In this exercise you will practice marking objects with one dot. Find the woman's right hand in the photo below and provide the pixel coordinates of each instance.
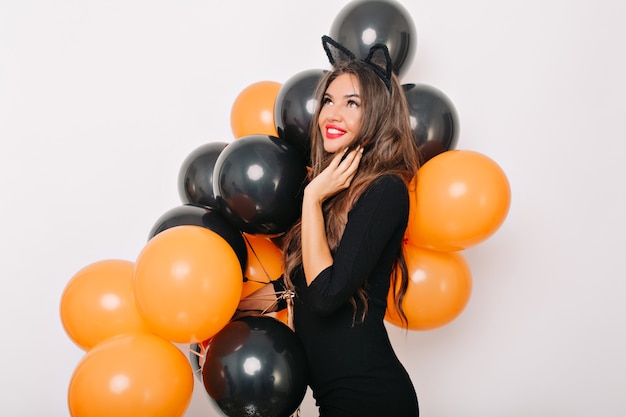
(336, 177)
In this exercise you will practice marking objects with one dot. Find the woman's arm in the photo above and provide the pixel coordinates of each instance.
(374, 232)
(316, 255)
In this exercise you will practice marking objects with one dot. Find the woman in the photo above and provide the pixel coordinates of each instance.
(342, 256)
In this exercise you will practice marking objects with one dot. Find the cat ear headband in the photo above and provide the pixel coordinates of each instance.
(336, 52)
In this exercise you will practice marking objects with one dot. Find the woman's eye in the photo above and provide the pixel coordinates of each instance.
(353, 103)
(326, 100)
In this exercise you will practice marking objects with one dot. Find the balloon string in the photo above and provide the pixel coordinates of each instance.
(269, 279)
(198, 354)
(254, 280)
(274, 299)
(288, 295)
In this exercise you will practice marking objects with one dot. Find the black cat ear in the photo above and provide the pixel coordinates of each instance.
(335, 51)
(379, 56)
(379, 60)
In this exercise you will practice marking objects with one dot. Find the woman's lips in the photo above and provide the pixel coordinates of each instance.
(333, 132)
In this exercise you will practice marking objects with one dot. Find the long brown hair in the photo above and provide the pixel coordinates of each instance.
(389, 148)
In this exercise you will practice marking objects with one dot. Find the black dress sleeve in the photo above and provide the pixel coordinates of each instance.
(377, 216)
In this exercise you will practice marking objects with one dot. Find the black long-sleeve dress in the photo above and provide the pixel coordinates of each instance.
(354, 370)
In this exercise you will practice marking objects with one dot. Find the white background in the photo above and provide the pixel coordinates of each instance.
(101, 101)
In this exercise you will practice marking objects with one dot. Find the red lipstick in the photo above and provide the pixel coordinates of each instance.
(334, 132)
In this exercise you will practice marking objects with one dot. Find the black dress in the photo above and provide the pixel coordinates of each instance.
(354, 370)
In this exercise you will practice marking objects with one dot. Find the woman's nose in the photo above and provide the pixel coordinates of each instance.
(334, 113)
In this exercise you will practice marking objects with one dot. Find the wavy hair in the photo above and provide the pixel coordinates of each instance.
(389, 148)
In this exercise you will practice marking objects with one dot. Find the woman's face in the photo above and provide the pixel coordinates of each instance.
(340, 116)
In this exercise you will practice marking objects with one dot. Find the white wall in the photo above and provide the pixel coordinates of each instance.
(100, 102)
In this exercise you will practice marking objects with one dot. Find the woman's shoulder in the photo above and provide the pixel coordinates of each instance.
(389, 182)
(386, 194)
(387, 187)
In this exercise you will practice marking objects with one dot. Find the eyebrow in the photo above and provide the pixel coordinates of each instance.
(346, 96)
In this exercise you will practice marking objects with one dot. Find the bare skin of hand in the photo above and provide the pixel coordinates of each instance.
(337, 176)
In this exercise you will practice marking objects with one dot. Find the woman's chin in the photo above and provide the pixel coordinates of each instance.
(334, 146)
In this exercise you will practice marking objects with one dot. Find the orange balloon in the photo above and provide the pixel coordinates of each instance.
(97, 303)
(412, 188)
(462, 198)
(439, 289)
(131, 375)
(252, 112)
(188, 283)
(282, 316)
(264, 263)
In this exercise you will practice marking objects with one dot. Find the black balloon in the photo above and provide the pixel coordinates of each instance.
(295, 108)
(258, 183)
(195, 177)
(361, 24)
(212, 219)
(434, 120)
(256, 366)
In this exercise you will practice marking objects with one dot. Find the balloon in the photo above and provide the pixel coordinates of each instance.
(282, 316)
(434, 120)
(131, 375)
(188, 283)
(439, 289)
(98, 303)
(295, 108)
(256, 366)
(195, 178)
(278, 240)
(361, 24)
(252, 112)
(258, 184)
(462, 198)
(194, 215)
(264, 264)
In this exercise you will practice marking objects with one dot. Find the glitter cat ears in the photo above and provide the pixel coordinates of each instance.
(336, 52)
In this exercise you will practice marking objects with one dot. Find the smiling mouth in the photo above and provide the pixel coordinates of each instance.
(334, 133)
